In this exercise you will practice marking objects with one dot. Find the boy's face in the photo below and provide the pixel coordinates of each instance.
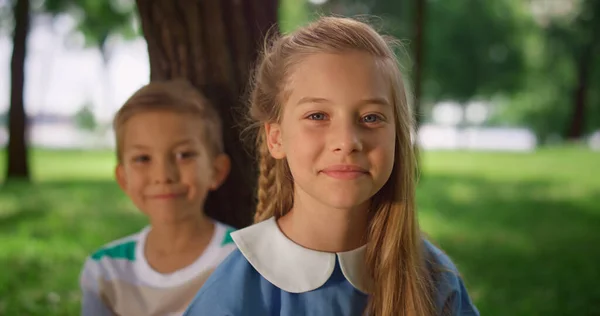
(166, 168)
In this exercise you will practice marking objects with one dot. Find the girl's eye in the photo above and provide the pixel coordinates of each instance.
(317, 116)
(371, 118)
(186, 155)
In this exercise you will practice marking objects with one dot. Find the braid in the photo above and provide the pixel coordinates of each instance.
(267, 188)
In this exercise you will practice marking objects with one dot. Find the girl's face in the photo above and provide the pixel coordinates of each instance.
(337, 130)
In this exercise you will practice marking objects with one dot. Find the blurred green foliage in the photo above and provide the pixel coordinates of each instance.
(521, 56)
(85, 119)
(98, 20)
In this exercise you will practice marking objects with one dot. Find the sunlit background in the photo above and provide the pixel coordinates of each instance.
(510, 184)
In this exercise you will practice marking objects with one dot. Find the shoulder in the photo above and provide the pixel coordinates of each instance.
(233, 271)
(443, 270)
(111, 258)
(438, 258)
(224, 234)
(223, 243)
(451, 296)
(122, 248)
(234, 287)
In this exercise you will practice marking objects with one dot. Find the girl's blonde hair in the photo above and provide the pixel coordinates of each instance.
(395, 257)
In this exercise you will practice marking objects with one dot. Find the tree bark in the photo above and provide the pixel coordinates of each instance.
(17, 165)
(418, 74)
(584, 59)
(419, 59)
(213, 44)
(576, 125)
(584, 64)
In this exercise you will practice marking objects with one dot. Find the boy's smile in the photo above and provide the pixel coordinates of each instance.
(167, 196)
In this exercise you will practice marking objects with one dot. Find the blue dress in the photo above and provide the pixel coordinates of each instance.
(271, 275)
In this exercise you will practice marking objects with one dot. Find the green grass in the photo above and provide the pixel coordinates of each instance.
(524, 229)
(49, 227)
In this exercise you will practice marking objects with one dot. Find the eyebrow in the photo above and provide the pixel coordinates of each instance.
(179, 143)
(183, 142)
(137, 146)
(378, 101)
(312, 100)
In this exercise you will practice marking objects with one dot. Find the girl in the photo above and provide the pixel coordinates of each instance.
(336, 230)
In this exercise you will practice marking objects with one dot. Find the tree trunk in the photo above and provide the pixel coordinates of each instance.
(418, 72)
(18, 167)
(576, 126)
(419, 58)
(213, 44)
(584, 64)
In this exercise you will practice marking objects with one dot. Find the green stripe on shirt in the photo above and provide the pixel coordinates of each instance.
(227, 239)
(125, 250)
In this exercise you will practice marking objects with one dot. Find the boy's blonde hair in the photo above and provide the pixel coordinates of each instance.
(395, 259)
(178, 96)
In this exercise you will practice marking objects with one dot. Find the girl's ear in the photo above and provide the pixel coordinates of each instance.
(274, 141)
(222, 166)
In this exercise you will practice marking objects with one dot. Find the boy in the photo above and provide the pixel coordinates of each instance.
(170, 155)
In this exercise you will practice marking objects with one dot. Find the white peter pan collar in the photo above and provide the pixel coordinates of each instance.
(291, 267)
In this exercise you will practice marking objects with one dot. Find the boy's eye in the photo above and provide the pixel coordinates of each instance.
(371, 118)
(141, 158)
(317, 116)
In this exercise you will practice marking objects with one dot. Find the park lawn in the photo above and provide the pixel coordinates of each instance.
(523, 229)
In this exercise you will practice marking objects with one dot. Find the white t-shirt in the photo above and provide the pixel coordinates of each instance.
(117, 279)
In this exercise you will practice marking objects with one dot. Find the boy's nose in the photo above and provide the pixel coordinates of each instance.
(165, 172)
